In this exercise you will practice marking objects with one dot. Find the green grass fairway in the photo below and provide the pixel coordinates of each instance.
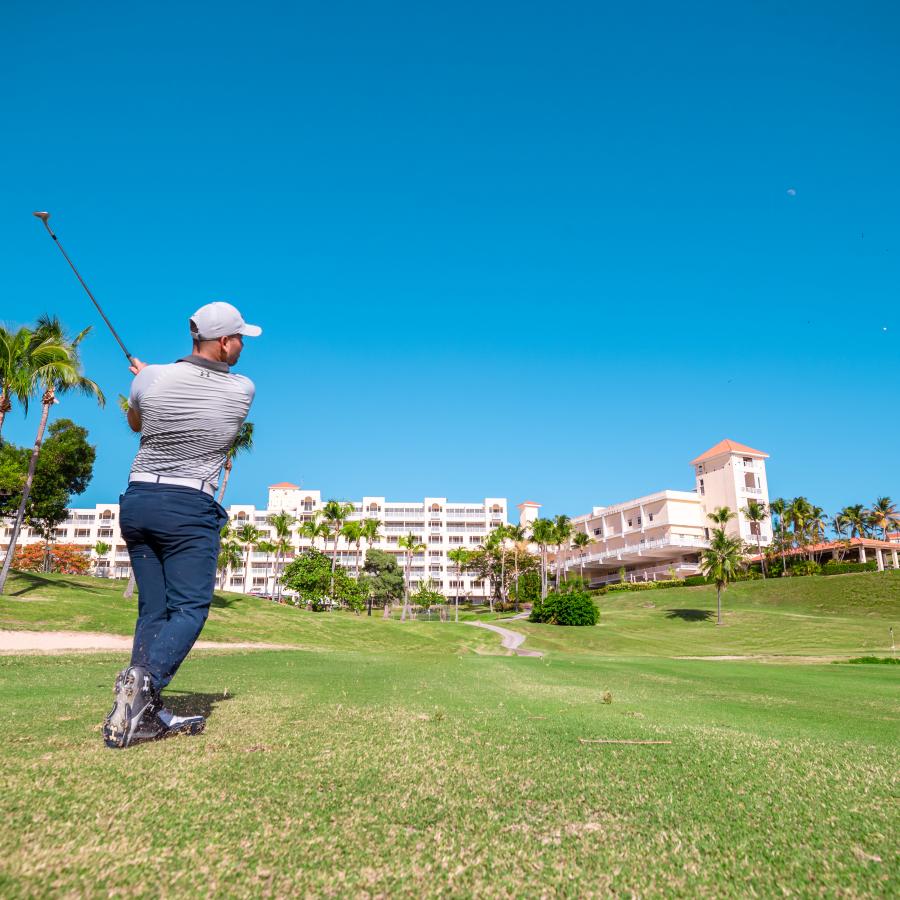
(70, 603)
(842, 615)
(391, 760)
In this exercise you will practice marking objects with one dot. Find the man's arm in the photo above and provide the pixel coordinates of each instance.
(134, 412)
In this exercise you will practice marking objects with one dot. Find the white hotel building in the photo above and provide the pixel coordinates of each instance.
(439, 524)
(662, 534)
(650, 537)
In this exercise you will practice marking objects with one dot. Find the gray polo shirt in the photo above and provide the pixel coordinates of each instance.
(190, 411)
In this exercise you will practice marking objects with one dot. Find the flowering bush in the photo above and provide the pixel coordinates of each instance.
(66, 559)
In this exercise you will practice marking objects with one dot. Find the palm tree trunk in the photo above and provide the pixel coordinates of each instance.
(26, 490)
(581, 565)
(228, 465)
(783, 561)
(516, 564)
(762, 562)
(337, 535)
(246, 567)
(405, 591)
(543, 572)
(128, 593)
(718, 604)
(5, 407)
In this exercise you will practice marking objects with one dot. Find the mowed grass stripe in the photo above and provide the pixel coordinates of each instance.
(349, 774)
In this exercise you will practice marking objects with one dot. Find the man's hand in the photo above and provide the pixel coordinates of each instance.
(136, 365)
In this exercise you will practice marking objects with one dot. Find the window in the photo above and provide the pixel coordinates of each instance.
(82, 532)
(455, 540)
(639, 520)
(474, 539)
(702, 489)
(434, 524)
(598, 531)
(435, 553)
(629, 523)
(651, 517)
(436, 539)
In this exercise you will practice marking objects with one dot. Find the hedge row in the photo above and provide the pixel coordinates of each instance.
(842, 568)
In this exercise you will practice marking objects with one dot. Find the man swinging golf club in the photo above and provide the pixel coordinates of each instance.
(188, 413)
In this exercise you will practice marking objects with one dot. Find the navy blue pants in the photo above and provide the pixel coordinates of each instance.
(172, 534)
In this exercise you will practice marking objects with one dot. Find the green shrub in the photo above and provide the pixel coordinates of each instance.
(529, 588)
(695, 580)
(871, 661)
(841, 568)
(805, 567)
(568, 607)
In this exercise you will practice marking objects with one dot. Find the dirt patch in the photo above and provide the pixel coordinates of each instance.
(19, 642)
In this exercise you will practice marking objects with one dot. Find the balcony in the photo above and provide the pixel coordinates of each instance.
(681, 540)
(752, 490)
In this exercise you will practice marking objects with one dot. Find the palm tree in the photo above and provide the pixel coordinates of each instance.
(352, 532)
(247, 535)
(755, 513)
(101, 548)
(459, 556)
(229, 558)
(242, 443)
(267, 547)
(884, 515)
(23, 356)
(518, 535)
(281, 522)
(721, 516)
(580, 541)
(562, 525)
(335, 514)
(314, 529)
(543, 533)
(722, 561)
(778, 507)
(800, 513)
(856, 519)
(370, 533)
(817, 524)
(412, 545)
(58, 377)
(497, 538)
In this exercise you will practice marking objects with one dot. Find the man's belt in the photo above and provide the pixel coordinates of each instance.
(197, 483)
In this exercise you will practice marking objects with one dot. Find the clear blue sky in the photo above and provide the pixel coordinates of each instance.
(547, 252)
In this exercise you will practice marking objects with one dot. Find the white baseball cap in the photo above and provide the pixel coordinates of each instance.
(220, 319)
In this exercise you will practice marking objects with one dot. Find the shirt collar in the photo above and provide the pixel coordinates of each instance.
(205, 363)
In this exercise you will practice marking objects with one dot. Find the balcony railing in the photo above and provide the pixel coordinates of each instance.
(671, 541)
(752, 490)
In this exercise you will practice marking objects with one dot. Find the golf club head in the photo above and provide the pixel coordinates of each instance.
(43, 216)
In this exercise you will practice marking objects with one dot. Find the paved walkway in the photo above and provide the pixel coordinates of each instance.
(511, 640)
(16, 642)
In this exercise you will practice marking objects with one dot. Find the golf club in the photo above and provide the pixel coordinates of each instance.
(44, 216)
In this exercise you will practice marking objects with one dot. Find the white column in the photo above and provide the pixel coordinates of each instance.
(879, 559)
(862, 553)
(896, 561)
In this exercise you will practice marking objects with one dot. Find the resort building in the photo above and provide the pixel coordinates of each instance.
(661, 535)
(439, 524)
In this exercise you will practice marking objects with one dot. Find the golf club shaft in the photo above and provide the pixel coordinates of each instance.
(87, 290)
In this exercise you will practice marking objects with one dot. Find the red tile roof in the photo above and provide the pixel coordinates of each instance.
(527, 503)
(285, 484)
(728, 446)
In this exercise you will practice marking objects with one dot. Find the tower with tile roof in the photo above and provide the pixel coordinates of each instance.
(731, 474)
